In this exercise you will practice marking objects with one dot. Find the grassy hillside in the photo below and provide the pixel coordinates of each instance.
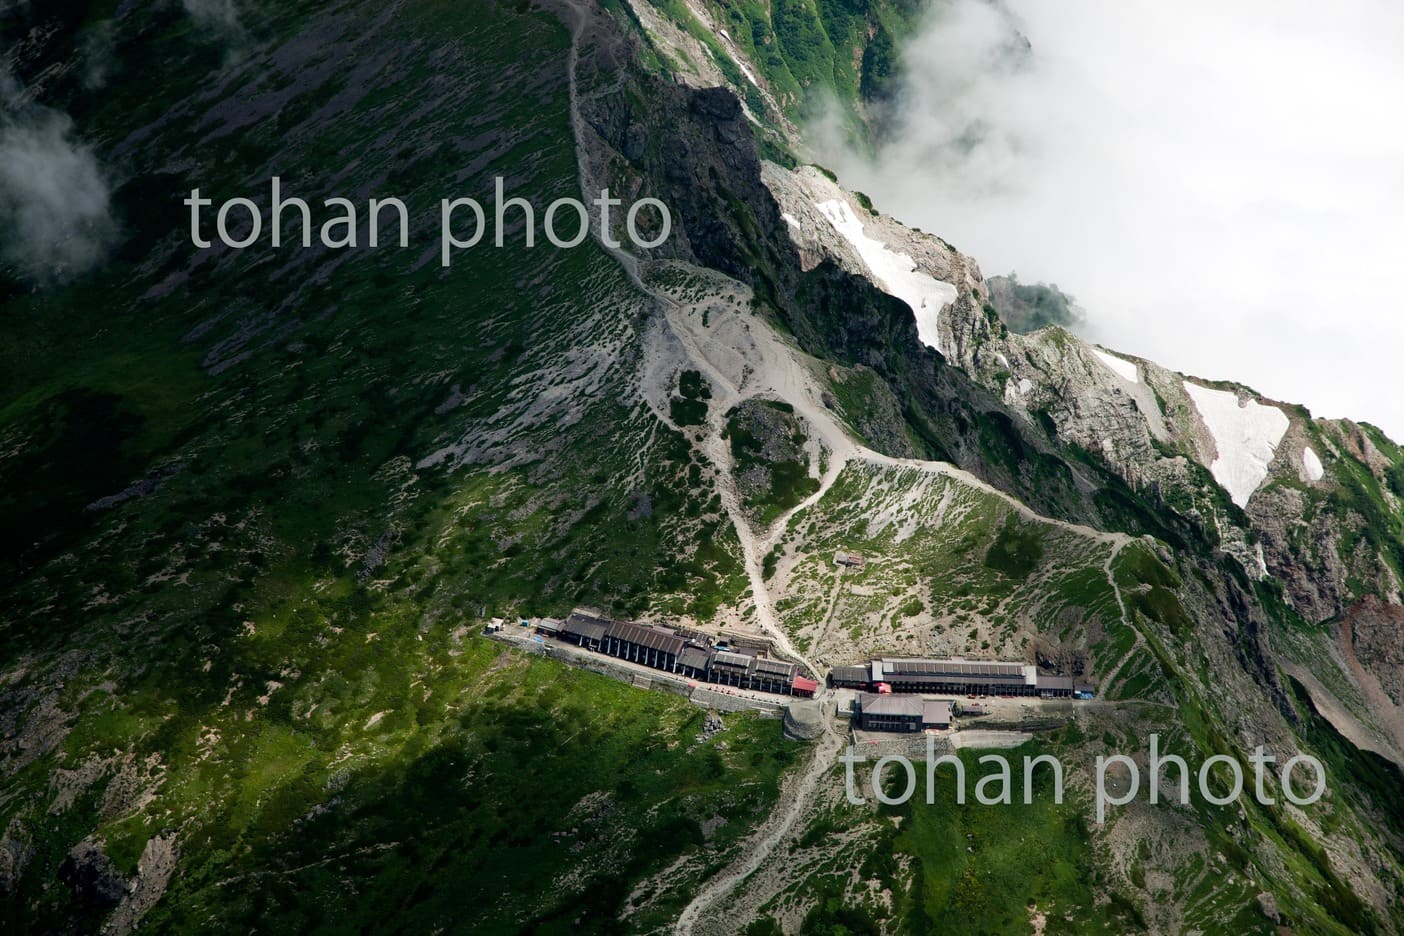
(811, 54)
(256, 498)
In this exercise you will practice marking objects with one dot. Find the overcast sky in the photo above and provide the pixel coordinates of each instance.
(1220, 185)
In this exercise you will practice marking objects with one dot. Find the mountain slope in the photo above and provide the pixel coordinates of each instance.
(260, 501)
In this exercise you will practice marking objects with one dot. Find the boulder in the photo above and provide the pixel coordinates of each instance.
(804, 721)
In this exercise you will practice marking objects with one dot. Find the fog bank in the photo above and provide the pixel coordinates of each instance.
(1219, 186)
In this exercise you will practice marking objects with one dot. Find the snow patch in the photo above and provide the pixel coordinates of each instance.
(790, 219)
(1245, 437)
(894, 273)
(1122, 367)
(1311, 462)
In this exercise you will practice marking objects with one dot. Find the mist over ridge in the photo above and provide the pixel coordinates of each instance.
(1224, 207)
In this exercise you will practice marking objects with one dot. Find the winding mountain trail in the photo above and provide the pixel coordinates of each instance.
(743, 358)
(797, 791)
(727, 392)
(796, 796)
(1109, 679)
(947, 470)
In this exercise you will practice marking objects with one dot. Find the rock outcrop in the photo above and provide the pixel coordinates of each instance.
(90, 874)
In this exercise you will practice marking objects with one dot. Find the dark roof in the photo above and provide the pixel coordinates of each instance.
(1065, 683)
(776, 667)
(852, 674)
(951, 668)
(748, 641)
(693, 658)
(583, 625)
(725, 659)
(650, 638)
(940, 679)
(871, 703)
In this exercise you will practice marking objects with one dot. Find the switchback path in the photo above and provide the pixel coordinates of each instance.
(743, 357)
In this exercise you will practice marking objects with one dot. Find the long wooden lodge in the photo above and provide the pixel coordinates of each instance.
(688, 654)
(962, 677)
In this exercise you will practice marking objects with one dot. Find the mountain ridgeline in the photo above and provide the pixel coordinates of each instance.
(259, 503)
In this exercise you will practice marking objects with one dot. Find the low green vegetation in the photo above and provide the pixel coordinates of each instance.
(1149, 587)
(989, 869)
(811, 53)
(771, 466)
(544, 797)
(1136, 566)
(1027, 307)
(868, 405)
(1161, 605)
(1017, 550)
(270, 494)
(689, 407)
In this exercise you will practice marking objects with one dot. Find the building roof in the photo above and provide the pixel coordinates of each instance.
(858, 674)
(725, 659)
(936, 680)
(936, 712)
(748, 643)
(584, 625)
(693, 658)
(898, 706)
(975, 672)
(804, 684)
(650, 638)
(776, 667)
(1062, 683)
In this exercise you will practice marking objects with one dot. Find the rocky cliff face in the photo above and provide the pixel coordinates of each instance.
(1289, 517)
(1302, 510)
(760, 223)
(1377, 638)
(1301, 502)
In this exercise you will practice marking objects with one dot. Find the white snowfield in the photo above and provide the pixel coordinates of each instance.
(1315, 471)
(894, 273)
(1123, 368)
(1245, 438)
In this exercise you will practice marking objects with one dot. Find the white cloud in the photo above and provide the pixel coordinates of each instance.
(221, 14)
(54, 202)
(1219, 185)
